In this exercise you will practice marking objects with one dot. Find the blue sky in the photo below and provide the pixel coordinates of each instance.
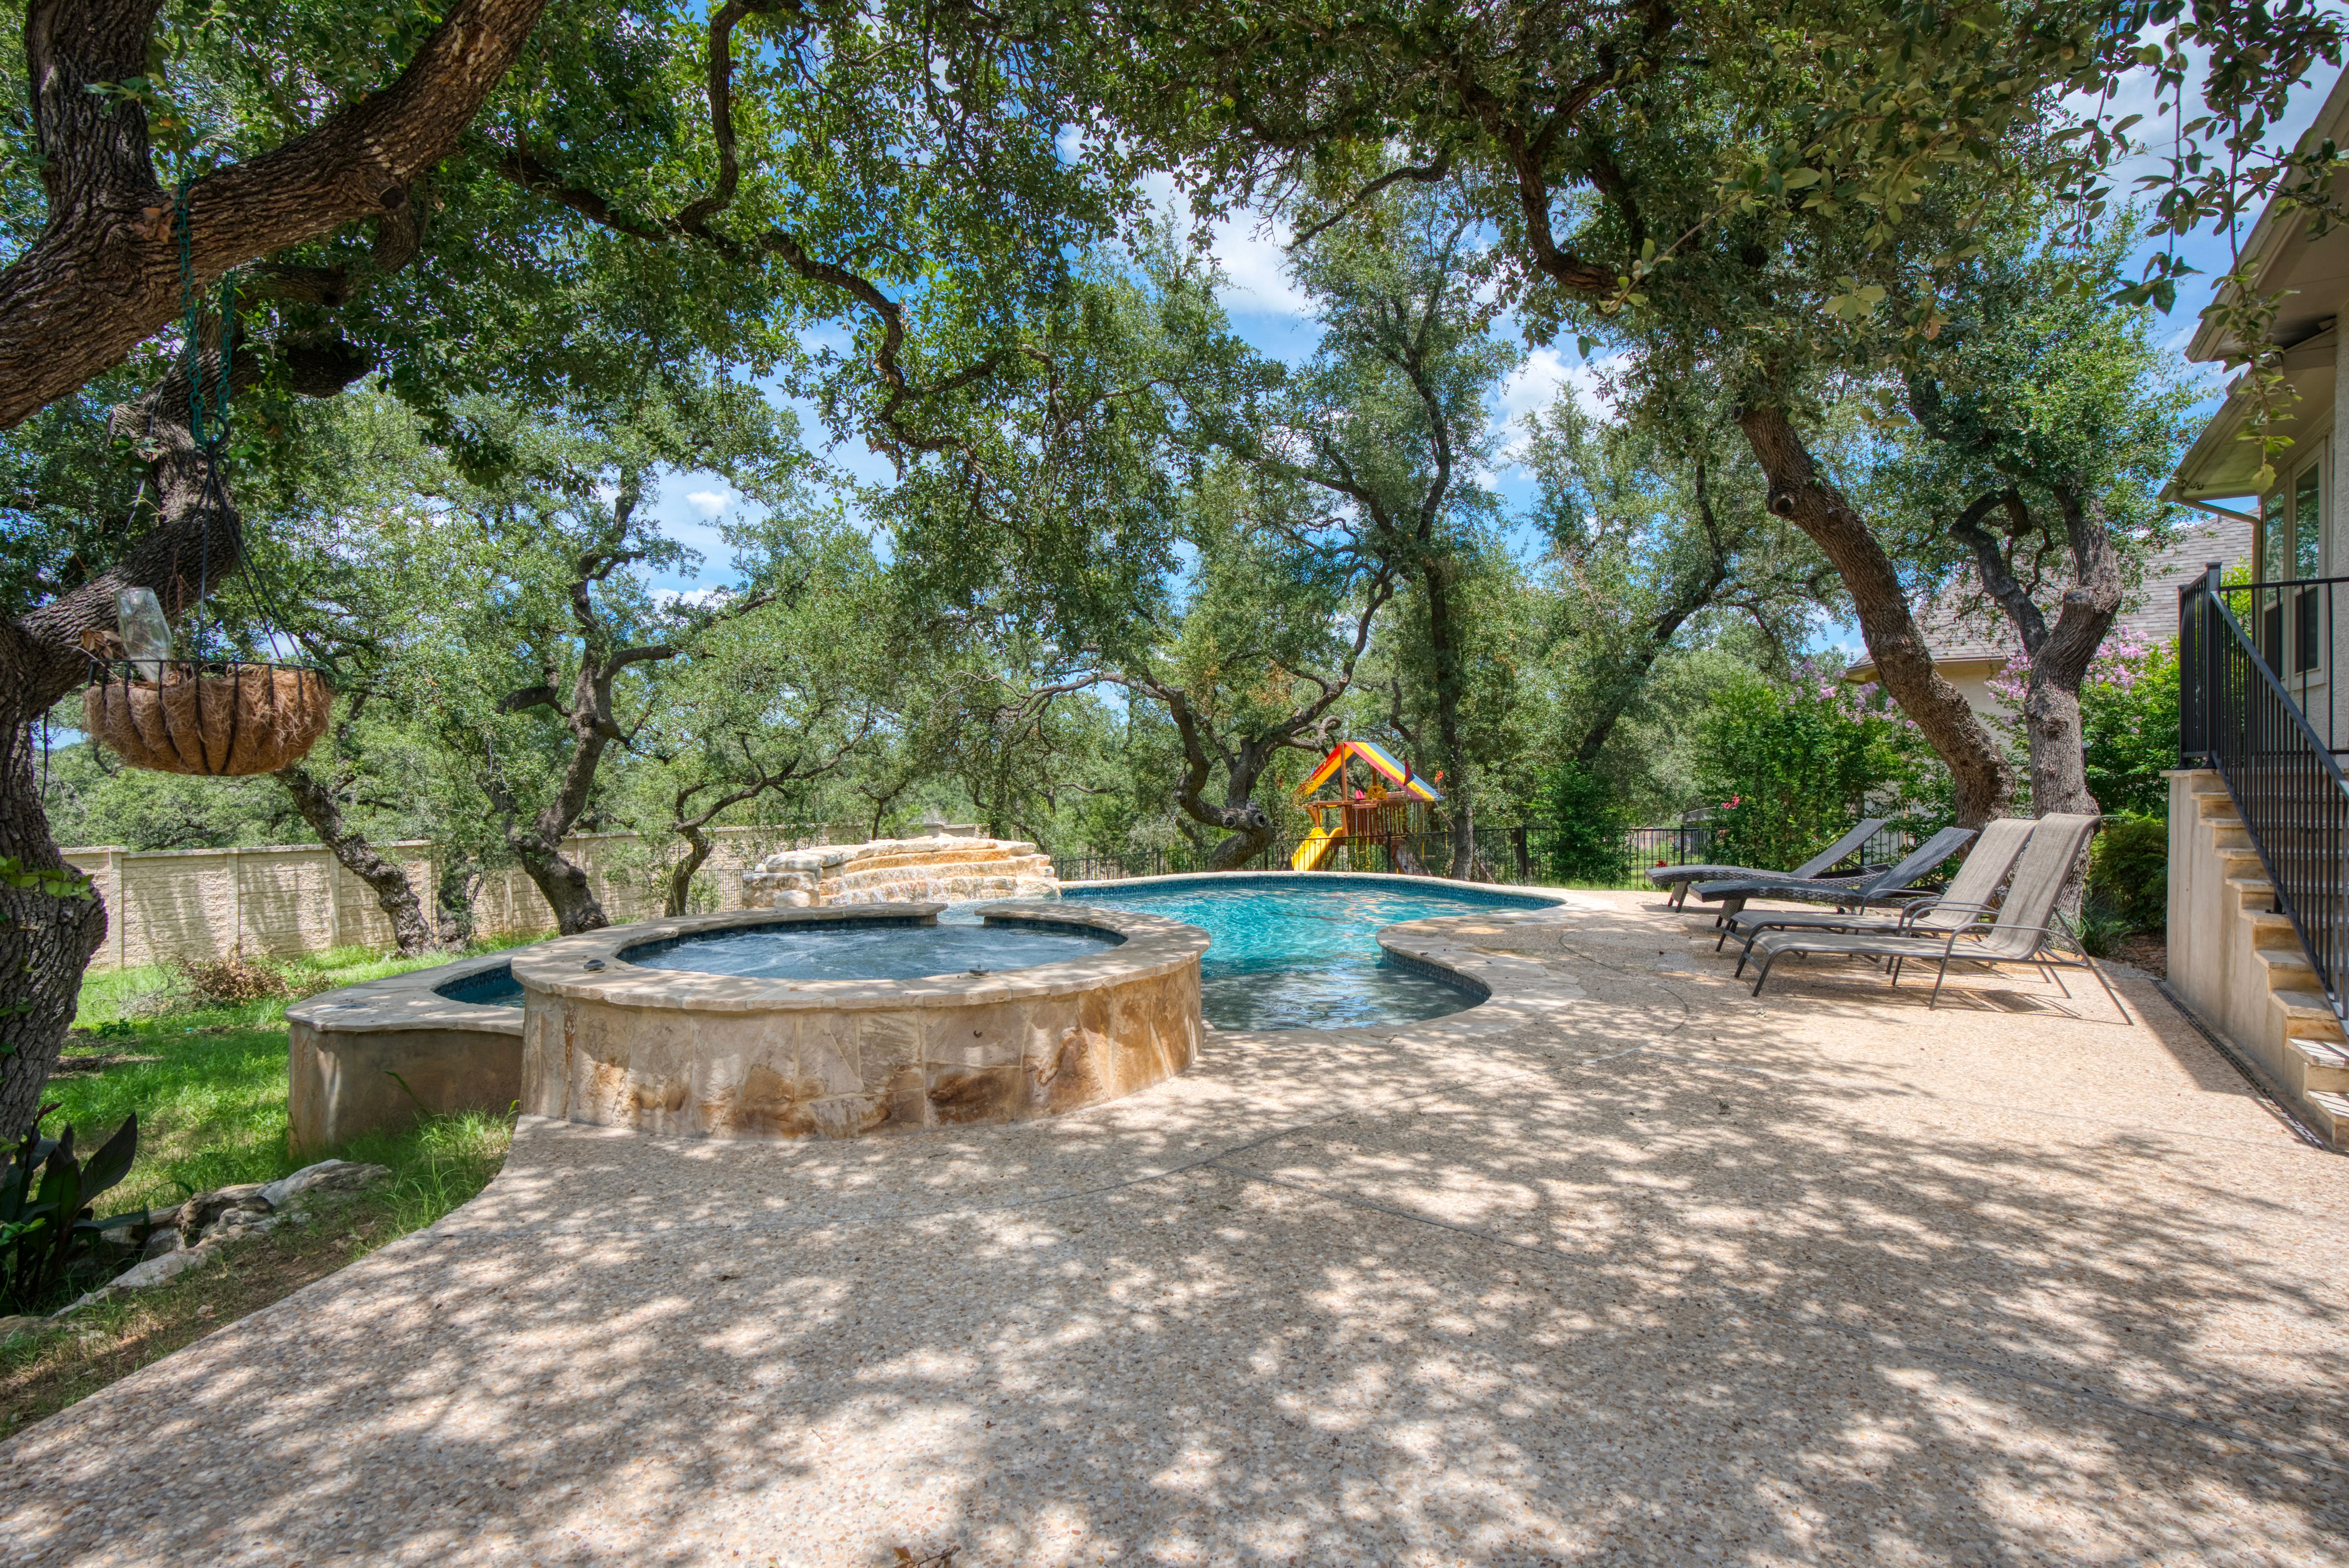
(1273, 316)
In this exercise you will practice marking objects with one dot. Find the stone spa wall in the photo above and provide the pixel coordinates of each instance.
(940, 869)
(673, 1052)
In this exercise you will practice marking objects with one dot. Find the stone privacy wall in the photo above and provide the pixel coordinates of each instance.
(285, 899)
(941, 869)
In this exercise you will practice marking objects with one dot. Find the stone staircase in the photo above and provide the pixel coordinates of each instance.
(2245, 971)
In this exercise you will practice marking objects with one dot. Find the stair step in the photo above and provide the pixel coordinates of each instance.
(2270, 929)
(2323, 1064)
(2288, 967)
(2331, 1111)
(2307, 1004)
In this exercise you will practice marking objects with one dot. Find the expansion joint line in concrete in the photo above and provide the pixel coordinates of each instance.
(1749, 1301)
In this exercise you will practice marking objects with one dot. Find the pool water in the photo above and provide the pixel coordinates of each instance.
(1305, 955)
(490, 988)
(867, 952)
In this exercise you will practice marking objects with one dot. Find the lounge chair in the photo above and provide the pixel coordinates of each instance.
(1982, 873)
(1676, 878)
(1891, 886)
(2025, 929)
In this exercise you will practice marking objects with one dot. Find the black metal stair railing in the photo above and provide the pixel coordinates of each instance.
(2236, 715)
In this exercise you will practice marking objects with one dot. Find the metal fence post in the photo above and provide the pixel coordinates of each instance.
(2197, 672)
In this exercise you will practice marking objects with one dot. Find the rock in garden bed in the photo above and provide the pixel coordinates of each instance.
(189, 1236)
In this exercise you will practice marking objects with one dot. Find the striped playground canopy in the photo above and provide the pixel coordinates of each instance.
(1381, 761)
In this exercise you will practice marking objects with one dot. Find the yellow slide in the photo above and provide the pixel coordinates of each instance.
(1315, 850)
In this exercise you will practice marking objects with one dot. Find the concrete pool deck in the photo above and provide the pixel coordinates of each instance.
(1648, 1272)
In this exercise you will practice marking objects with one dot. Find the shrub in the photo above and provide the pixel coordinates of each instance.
(1791, 766)
(2129, 870)
(232, 981)
(1586, 822)
(47, 1239)
(2128, 719)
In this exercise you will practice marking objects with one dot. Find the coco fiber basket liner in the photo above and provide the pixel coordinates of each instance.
(213, 717)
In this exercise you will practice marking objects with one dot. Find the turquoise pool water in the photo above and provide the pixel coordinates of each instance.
(1292, 954)
(862, 951)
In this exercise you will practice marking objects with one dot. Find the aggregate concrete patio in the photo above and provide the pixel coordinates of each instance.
(1619, 1267)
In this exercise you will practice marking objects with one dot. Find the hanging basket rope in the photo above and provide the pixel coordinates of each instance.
(216, 717)
(222, 718)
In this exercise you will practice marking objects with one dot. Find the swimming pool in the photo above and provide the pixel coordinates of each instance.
(1292, 953)
(489, 988)
(869, 950)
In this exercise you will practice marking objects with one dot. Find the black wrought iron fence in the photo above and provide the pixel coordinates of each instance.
(2292, 627)
(1526, 855)
(2239, 713)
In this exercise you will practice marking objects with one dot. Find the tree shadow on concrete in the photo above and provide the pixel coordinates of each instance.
(1589, 1289)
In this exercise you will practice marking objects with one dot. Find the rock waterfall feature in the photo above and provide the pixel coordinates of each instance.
(940, 869)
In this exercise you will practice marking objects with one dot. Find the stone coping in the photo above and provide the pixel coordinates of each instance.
(410, 1001)
(1147, 945)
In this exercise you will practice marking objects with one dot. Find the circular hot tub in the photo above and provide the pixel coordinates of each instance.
(832, 1022)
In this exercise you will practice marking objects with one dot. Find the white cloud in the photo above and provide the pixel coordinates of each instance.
(708, 502)
(1539, 379)
(692, 597)
(1253, 251)
(1251, 248)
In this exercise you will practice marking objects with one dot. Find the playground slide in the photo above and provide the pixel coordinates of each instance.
(1315, 850)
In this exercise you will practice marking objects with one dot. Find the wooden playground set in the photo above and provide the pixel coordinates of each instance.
(1376, 819)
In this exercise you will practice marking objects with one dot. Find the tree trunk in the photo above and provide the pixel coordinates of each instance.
(1904, 664)
(51, 922)
(452, 899)
(1444, 643)
(2059, 654)
(1249, 825)
(563, 885)
(681, 875)
(389, 884)
(2059, 762)
(48, 928)
(1251, 835)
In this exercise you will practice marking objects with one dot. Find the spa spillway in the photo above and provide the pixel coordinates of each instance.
(835, 1021)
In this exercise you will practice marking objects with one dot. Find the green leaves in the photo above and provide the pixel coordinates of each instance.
(1857, 301)
(65, 883)
(47, 1242)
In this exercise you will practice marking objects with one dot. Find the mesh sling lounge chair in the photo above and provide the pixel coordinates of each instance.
(2023, 930)
(1676, 878)
(1981, 875)
(1889, 887)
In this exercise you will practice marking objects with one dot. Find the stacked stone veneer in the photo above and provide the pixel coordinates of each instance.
(940, 869)
(678, 1053)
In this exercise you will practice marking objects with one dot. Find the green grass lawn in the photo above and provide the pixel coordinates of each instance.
(211, 1101)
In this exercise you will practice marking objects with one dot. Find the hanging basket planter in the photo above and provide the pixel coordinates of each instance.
(215, 718)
